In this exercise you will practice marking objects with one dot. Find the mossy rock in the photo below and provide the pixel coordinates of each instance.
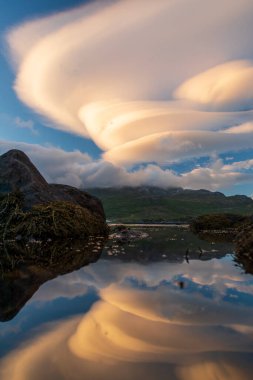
(244, 241)
(244, 248)
(58, 219)
(219, 222)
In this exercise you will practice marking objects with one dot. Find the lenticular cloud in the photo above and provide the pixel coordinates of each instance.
(146, 81)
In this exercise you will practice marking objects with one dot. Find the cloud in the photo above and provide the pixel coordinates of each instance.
(176, 146)
(79, 169)
(140, 79)
(111, 280)
(25, 124)
(24, 368)
(57, 165)
(225, 87)
(211, 370)
(9, 121)
(243, 128)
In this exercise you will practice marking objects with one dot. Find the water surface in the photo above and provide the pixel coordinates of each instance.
(164, 305)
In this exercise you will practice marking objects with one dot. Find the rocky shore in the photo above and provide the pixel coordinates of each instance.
(228, 227)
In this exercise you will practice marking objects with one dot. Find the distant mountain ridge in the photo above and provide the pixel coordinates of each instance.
(153, 204)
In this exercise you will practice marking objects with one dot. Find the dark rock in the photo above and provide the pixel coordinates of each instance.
(244, 241)
(219, 222)
(244, 248)
(17, 172)
(80, 197)
(31, 207)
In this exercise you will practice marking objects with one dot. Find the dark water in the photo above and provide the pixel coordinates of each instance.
(164, 305)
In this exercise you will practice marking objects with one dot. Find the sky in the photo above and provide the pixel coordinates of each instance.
(130, 92)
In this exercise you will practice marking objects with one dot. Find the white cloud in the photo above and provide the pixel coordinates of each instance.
(226, 87)
(243, 128)
(109, 71)
(176, 146)
(8, 121)
(78, 169)
(55, 164)
(25, 124)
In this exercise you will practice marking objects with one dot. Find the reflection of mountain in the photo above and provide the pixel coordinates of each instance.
(41, 263)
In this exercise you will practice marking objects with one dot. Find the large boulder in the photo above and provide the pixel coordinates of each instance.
(31, 207)
(17, 172)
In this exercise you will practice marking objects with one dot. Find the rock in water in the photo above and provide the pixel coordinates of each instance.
(32, 208)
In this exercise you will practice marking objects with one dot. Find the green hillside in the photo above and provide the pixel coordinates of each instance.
(151, 204)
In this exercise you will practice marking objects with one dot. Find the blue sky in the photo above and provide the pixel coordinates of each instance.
(13, 13)
(120, 93)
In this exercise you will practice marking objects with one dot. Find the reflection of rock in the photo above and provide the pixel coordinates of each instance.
(30, 203)
(27, 267)
(217, 236)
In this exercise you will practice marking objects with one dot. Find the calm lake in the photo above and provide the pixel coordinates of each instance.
(159, 303)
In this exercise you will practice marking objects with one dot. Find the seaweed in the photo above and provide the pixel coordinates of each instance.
(54, 220)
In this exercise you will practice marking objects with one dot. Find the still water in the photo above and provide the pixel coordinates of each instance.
(161, 304)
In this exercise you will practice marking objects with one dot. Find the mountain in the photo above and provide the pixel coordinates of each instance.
(153, 204)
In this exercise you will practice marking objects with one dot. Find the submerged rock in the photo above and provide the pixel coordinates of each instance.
(30, 208)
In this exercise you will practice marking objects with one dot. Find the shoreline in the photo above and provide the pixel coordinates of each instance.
(149, 225)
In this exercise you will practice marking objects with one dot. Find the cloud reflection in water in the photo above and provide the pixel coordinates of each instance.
(145, 325)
